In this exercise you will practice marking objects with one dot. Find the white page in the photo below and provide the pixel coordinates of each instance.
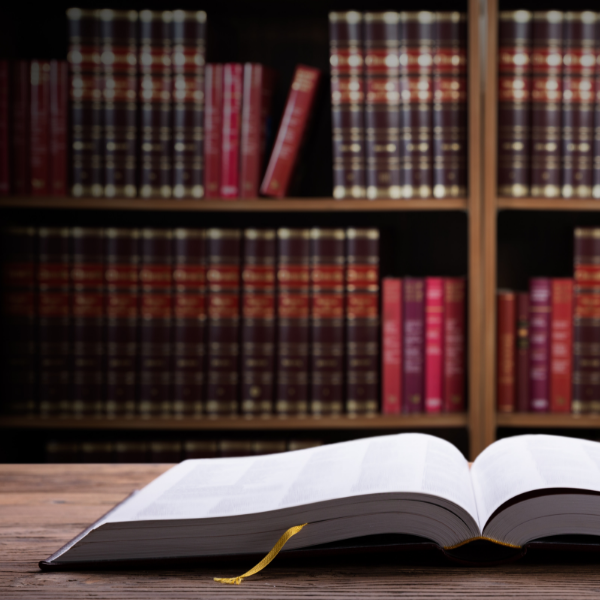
(525, 463)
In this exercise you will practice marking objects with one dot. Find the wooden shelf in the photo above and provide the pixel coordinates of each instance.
(380, 422)
(579, 204)
(549, 421)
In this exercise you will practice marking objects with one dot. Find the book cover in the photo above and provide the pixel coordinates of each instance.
(213, 129)
(391, 345)
(505, 352)
(59, 91)
(434, 344)
(540, 293)
(5, 93)
(39, 128)
(454, 344)
(233, 77)
(413, 352)
(522, 356)
(561, 345)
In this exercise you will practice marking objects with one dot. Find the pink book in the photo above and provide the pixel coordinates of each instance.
(540, 296)
(454, 344)
(434, 343)
(391, 332)
(233, 77)
(561, 345)
(213, 125)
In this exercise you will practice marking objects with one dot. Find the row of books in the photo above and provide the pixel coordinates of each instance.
(191, 322)
(423, 345)
(549, 104)
(399, 104)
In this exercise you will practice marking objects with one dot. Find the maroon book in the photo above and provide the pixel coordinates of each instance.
(522, 353)
(233, 77)
(5, 91)
(213, 129)
(540, 294)
(20, 127)
(505, 353)
(454, 344)
(39, 128)
(59, 91)
(413, 371)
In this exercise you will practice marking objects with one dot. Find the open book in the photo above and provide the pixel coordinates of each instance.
(519, 490)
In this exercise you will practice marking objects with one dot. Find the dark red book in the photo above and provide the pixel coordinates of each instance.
(292, 131)
(59, 93)
(223, 351)
(413, 351)
(346, 57)
(256, 106)
(39, 128)
(5, 92)
(293, 312)
(540, 294)
(454, 344)
(188, 62)
(561, 345)
(327, 258)
(362, 322)
(20, 111)
(522, 352)
(434, 344)
(213, 129)
(258, 322)
(391, 345)
(505, 352)
(233, 77)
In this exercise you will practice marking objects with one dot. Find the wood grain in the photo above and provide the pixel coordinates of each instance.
(548, 421)
(591, 204)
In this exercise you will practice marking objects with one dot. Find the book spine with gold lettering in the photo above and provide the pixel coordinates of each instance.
(540, 296)
(293, 312)
(561, 345)
(505, 353)
(233, 78)
(454, 344)
(391, 345)
(434, 344)
(213, 129)
(39, 128)
(258, 322)
(413, 352)
(596, 130)
(58, 134)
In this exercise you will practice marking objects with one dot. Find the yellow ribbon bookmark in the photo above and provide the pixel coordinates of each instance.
(267, 559)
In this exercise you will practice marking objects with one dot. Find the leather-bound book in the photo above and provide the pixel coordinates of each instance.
(131, 452)
(327, 259)
(505, 353)
(454, 344)
(189, 35)
(546, 99)
(88, 322)
(230, 448)
(522, 352)
(19, 143)
(434, 344)
(54, 327)
(413, 351)
(85, 93)
(260, 447)
(540, 294)
(200, 449)
(155, 54)
(514, 103)
(382, 105)
(561, 345)
(189, 321)
(416, 104)
(5, 95)
(596, 131)
(258, 322)
(39, 128)
(122, 262)
(165, 451)
(156, 305)
(62, 452)
(579, 65)
(118, 43)
(450, 105)
(213, 129)
(391, 345)
(233, 77)
(96, 452)
(362, 322)
(59, 91)
(293, 313)
(223, 279)
(346, 57)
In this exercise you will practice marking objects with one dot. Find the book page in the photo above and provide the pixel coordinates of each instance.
(525, 463)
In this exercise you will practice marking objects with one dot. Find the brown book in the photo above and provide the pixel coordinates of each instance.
(260, 447)
(62, 452)
(522, 358)
(96, 452)
(165, 452)
(231, 448)
(505, 355)
(130, 452)
(200, 449)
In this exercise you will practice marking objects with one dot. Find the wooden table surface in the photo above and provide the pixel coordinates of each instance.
(44, 506)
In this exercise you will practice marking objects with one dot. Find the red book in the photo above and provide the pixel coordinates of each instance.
(505, 354)
(434, 343)
(391, 343)
(522, 358)
(20, 127)
(561, 344)
(539, 356)
(413, 325)
(256, 104)
(213, 120)
(230, 138)
(454, 344)
(39, 127)
(59, 90)
(4, 120)
(292, 130)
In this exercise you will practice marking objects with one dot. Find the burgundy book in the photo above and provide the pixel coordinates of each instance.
(54, 326)
(258, 322)
(213, 129)
(292, 131)
(450, 105)
(561, 345)
(156, 105)
(434, 344)
(391, 345)
(59, 92)
(362, 322)
(293, 312)
(505, 352)
(416, 106)
(256, 106)
(20, 103)
(233, 77)
(327, 258)
(346, 57)
(118, 44)
(382, 105)
(189, 34)
(122, 320)
(454, 344)
(546, 98)
(189, 322)
(413, 336)
(5, 91)
(39, 128)
(540, 294)
(88, 321)
(156, 304)
(223, 278)
(522, 352)
(514, 103)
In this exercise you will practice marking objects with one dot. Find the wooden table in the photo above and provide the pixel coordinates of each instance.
(43, 506)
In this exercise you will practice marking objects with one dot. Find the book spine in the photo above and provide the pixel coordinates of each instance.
(579, 58)
(213, 128)
(258, 325)
(546, 98)
(156, 309)
(540, 291)
(188, 63)
(382, 105)
(346, 57)
(327, 321)
(391, 344)
(293, 313)
(522, 358)
(561, 342)
(122, 320)
(450, 105)
(596, 130)
(233, 76)
(39, 128)
(505, 354)
(88, 321)
(156, 103)
(362, 322)
(223, 277)
(413, 335)
(292, 130)
(454, 344)
(434, 344)
(5, 92)
(118, 39)
(59, 90)
(20, 127)
(189, 323)
(514, 103)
